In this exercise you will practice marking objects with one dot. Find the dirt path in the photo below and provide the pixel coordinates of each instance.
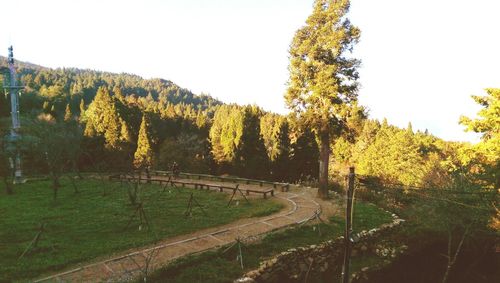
(300, 206)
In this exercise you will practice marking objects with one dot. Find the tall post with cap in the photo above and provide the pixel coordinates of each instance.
(348, 239)
(12, 88)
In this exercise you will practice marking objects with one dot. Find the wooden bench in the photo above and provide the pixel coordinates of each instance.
(264, 193)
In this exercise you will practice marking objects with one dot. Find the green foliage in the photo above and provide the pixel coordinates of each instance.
(226, 132)
(56, 144)
(144, 155)
(322, 88)
(109, 107)
(323, 77)
(87, 225)
(304, 156)
(272, 128)
(188, 150)
(488, 150)
(103, 119)
(251, 156)
(394, 155)
(460, 215)
(236, 140)
(67, 114)
(488, 124)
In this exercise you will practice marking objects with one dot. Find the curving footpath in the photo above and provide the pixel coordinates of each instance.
(129, 266)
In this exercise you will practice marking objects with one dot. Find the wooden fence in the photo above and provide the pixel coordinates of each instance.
(283, 186)
(195, 185)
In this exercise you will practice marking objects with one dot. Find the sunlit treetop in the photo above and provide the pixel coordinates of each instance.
(489, 122)
(323, 75)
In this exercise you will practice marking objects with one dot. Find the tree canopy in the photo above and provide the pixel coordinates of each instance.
(322, 88)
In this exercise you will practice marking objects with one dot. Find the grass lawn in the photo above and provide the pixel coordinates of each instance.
(215, 267)
(86, 225)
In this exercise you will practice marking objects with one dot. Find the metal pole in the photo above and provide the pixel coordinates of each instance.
(16, 124)
(348, 226)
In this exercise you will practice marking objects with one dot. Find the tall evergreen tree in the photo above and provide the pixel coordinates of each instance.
(143, 157)
(82, 108)
(275, 132)
(304, 156)
(103, 117)
(225, 133)
(236, 140)
(251, 156)
(322, 87)
(67, 113)
(488, 124)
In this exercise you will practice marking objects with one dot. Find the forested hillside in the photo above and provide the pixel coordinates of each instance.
(126, 121)
(118, 115)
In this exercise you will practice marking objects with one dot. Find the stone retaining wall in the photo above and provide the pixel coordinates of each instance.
(294, 265)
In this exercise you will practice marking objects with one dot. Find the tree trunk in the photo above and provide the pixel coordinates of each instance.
(73, 183)
(8, 186)
(324, 156)
(55, 185)
(453, 258)
(77, 170)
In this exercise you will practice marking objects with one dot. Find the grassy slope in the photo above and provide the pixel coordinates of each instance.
(217, 267)
(86, 225)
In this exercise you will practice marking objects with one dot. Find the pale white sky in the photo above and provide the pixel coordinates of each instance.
(421, 59)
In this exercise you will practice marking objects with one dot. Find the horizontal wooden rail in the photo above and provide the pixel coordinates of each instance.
(283, 186)
(195, 185)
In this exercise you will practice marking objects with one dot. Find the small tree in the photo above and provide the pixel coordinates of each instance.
(143, 157)
(54, 142)
(67, 113)
(458, 214)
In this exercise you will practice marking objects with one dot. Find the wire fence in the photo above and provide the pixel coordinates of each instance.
(399, 195)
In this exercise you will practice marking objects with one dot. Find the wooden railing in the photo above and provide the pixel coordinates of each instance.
(283, 186)
(200, 186)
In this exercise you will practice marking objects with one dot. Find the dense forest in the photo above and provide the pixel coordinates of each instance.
(130, 122)
(118, 112)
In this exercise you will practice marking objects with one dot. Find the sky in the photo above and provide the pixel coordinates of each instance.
(422, 60)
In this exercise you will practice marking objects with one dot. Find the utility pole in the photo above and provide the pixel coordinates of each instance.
(348, 240)
(11, 87)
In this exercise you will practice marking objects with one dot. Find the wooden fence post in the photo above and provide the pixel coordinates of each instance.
(348, 226)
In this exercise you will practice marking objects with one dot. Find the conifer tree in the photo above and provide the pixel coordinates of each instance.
(322, 87)
(251, 155)
(304, 156)
(236, 140)
(409, 129)
(82, 108)
(67, 113)
(488, 124)
(225, 133)
(275, 134)
(103, 117)
(125, 135)
(143, 157)
(46, 107)
(118, 94)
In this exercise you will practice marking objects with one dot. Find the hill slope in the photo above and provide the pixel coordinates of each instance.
(73, 84)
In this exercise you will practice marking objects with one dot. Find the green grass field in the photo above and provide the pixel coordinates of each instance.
(85, 225)
(216, 267)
